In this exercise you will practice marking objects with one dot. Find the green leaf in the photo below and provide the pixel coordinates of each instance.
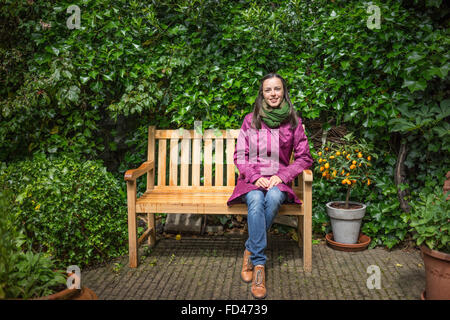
(414, 57)
(84, 80)
(415, 85)
(73, 93)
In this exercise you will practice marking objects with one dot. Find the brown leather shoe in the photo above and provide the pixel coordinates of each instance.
(247, 267)
(259, 282)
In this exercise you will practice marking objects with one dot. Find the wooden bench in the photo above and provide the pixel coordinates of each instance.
(186, 192)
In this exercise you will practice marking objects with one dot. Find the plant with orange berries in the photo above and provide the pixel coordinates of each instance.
(348, 165)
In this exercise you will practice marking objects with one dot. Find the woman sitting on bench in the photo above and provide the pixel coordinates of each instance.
(265, 179)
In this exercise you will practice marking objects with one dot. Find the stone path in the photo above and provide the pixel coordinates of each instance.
(208, 268)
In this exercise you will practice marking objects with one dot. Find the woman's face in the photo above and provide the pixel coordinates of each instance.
(273, 92)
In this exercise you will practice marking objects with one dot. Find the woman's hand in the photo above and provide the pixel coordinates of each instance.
(262, 182)
(267, 184)
(274, 180)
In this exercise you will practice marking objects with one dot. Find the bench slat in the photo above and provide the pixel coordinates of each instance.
(173, 169)
(162, 149)
(240, 209)
(207, 164)
(218, 161)
(184, 168)
(196, 153)
(212, 134)
(230, 162)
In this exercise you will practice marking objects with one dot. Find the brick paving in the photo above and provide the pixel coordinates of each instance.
(208, 268)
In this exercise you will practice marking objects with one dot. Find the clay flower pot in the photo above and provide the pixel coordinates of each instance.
(72, 294)
(346, 223)
(437, 271)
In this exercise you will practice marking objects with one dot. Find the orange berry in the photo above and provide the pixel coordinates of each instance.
(359, 165)
(321, 169)
(368, 182)
(338, 153)
(324, 174)
(320, 153)
(349, 182)
(344, 181)
(359, 155)
(326, 149)
(353, 181)
(352, 167)
(331, 157)
(348, 173)
(369, 158)
(327, 165)
(353, 162)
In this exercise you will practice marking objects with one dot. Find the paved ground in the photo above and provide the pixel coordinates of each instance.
(209, 268)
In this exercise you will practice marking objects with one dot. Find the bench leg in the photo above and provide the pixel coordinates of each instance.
(151, 225)
(300, 231)
(307, 243)
(132, 224)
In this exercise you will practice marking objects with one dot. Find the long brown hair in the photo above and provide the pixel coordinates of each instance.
(256, 120)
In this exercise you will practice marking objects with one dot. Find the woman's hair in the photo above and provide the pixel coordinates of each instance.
(256, 120)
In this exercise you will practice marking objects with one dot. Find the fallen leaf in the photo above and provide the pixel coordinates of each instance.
(294, 236)
(399, 265)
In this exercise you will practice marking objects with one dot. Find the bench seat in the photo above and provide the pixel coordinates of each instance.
(200, 200)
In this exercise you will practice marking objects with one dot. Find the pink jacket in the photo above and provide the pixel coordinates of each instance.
(255, 157)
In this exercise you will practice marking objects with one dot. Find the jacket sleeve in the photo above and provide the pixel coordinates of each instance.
(241, 157)
(302, 156)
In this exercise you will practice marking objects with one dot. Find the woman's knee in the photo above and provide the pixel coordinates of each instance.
(275, 195)
(254, 197)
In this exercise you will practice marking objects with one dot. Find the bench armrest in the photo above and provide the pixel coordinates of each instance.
(307, 176)
(133, 174)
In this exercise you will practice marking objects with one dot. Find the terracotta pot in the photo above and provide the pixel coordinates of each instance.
(437, 271)
(362, 244)
(72, 294)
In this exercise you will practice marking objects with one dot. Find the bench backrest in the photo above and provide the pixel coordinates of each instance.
(178, 155)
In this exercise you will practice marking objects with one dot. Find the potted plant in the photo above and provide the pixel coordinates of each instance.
(430, 222)
(348, 166)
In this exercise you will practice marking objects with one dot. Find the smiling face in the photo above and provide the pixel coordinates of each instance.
(273, 92)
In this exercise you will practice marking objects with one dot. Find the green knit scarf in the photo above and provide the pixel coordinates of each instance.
(273, 117)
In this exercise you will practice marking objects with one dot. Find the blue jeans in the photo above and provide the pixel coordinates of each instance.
(262, 208)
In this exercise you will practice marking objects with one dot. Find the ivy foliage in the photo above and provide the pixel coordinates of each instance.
(92, 91)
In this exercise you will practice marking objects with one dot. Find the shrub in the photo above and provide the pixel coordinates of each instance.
(74, 210)
(430, 220)
(22, 274)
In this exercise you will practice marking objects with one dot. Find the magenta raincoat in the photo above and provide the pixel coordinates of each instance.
(266, 152)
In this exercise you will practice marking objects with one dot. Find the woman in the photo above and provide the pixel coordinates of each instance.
(265, 181)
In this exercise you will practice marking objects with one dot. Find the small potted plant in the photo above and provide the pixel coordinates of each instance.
(430, 222)
(348, 166)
